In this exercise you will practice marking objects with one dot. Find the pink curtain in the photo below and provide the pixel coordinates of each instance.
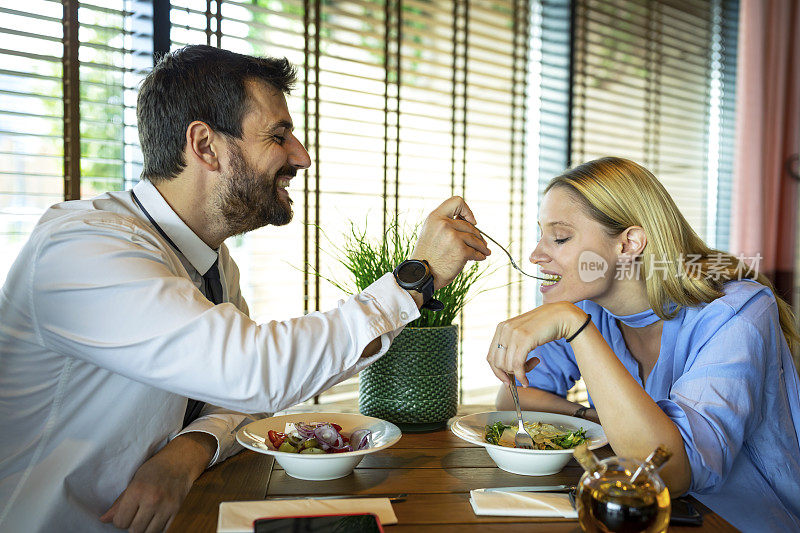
(767, 137)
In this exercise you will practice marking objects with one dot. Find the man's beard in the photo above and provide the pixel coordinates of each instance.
(248, 201)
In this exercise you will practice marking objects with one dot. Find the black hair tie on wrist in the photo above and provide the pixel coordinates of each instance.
(581, 412)
(588, 319)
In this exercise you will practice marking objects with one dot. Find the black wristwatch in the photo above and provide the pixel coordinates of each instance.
(415, 275)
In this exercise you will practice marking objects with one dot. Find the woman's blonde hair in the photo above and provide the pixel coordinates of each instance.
(619, 194)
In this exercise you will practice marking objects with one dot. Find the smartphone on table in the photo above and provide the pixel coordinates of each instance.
(336, 523)
(684, 513)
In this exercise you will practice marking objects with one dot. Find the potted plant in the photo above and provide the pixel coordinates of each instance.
(415, 384)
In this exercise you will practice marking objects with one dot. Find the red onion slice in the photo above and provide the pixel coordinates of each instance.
(326, 434)
(359, 440)
(304, 430)
(329, 438)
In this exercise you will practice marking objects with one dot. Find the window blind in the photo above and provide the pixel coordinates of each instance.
(495, 53)
(31, 119)
(654, 82)
(114, 53)
(724, 52)
(401, 104)
(67, 113)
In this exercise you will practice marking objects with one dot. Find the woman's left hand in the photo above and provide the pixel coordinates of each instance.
(516, 337)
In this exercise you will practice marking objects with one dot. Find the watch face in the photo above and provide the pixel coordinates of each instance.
(411, 272)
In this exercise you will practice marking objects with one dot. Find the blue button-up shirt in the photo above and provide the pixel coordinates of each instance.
(726, 378)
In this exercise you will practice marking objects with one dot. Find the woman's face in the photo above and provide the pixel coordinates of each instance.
(574, 250)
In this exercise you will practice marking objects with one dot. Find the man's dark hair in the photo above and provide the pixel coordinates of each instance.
(198, 82)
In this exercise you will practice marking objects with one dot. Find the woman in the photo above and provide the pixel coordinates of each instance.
(675, 345)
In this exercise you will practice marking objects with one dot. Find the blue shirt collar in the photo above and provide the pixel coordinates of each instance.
(637, 320)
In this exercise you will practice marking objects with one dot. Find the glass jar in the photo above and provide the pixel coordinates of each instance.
(622, 495)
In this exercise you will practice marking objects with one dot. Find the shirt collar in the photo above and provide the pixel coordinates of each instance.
(637, 320)
(198, 253)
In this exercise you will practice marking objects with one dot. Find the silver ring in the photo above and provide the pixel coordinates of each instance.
(500, 346)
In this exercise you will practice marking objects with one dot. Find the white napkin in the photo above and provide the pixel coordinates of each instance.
(237, 517)
(496, 503)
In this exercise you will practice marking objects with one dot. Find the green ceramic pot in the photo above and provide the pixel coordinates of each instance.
(415, 385)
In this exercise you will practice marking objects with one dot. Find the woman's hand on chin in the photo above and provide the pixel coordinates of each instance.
(516, 337)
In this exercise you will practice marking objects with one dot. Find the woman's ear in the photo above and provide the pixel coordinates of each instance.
(201, 146)
(632, 242)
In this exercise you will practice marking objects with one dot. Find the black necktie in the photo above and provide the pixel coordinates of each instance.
(212, 286)
(212, 289)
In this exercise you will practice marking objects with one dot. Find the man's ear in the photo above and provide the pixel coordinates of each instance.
(202, 145)
(632, 242)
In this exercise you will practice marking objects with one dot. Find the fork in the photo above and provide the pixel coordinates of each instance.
(510, 258)
(522, 439)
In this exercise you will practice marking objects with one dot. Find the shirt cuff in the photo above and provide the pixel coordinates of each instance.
(189, 429)
(219, 427)
(395, 303)
(398, 309)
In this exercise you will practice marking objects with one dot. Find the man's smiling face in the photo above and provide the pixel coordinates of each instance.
(252, 190)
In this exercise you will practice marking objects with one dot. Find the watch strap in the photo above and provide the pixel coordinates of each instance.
(428, 301)
(425, 288)
(432, 304)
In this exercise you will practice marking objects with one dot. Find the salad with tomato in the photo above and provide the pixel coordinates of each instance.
(324, 437)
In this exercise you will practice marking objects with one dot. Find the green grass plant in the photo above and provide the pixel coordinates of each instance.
(367, 260)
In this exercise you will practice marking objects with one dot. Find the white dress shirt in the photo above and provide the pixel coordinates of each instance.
(104, 334)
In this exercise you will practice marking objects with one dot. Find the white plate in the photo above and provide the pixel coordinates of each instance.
(472, 428)
(319, 467)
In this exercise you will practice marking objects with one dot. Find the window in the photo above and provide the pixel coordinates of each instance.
(67, 115)
(650, 81)
(401, 104)
(653, 82)
(115, 55)
(31, 119)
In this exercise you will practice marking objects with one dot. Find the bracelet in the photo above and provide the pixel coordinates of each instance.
(588, 319)
(580, 412)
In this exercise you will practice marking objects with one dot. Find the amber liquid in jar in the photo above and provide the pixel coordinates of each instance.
(614, 504)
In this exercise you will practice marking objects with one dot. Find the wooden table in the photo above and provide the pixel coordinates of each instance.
(436, 470)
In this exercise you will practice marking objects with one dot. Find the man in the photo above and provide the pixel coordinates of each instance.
(108, 320)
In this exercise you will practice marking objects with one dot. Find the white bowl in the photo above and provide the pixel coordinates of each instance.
(319, 467)
(472, 428)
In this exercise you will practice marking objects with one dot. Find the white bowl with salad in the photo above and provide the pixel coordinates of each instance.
(318, 446)
(555, 435)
